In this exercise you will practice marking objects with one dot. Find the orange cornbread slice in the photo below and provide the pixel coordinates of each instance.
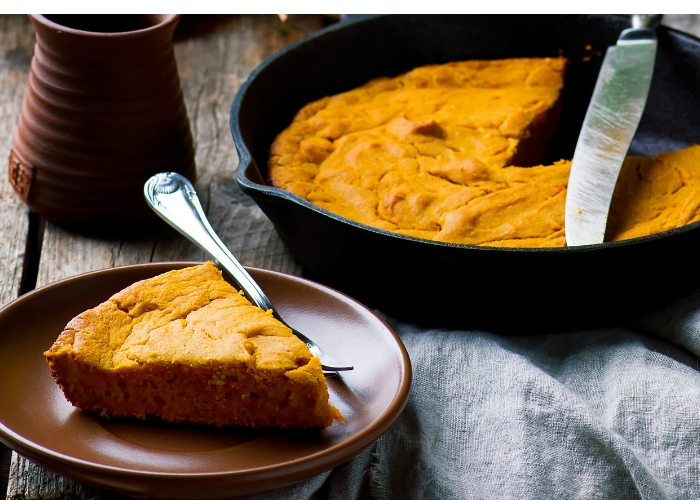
(185, 346)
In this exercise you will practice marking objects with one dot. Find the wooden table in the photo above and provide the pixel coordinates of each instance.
(215, 54)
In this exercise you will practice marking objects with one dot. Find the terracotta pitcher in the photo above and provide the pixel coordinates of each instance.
(103, 112)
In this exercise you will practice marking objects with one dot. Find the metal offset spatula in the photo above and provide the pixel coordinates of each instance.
(174, 199)
(613, 115)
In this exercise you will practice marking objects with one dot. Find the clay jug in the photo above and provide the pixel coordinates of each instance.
(103, 112)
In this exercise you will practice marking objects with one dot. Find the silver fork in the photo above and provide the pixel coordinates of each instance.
(174, 199)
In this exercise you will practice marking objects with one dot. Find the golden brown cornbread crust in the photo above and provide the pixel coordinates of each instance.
(401, 153)
(187, 347)
(437, 153)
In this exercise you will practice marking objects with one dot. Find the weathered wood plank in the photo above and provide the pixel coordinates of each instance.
(215, 54)
(16, 48)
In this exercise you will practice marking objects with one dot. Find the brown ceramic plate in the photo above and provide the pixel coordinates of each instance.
(173, 461)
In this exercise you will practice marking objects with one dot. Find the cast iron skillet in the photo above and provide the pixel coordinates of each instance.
(528, 290)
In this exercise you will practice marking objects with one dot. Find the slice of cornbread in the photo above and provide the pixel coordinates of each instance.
(185, 346)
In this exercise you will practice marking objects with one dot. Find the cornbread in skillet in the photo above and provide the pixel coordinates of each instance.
(400, 153)
(445, 153)
(185, 346)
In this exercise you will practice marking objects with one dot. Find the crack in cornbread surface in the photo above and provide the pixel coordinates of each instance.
(444, 152)
(187, 347)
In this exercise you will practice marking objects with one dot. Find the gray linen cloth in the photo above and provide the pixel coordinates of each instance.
(610, 413)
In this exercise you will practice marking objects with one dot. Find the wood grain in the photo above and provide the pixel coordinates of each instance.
(16, 48)
(215, 54)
